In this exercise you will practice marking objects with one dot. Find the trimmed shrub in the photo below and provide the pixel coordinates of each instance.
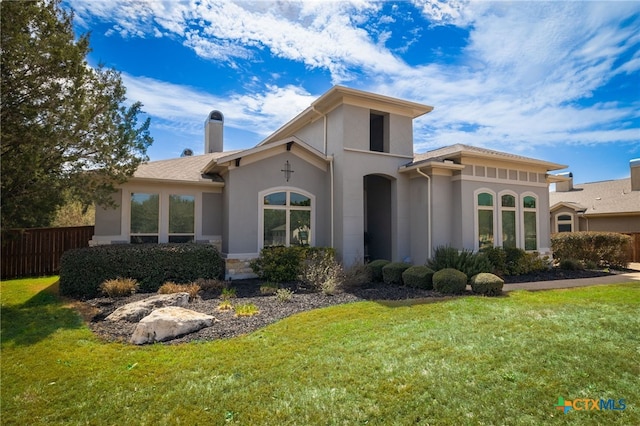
(418, 277)
(571, 265)
(120, 287)
(83, 270)
(392, 272)
(170, 287)
(608, 249)
(487, 284)
(278, 264)
(449, 281)
(463, 260)
(375, 269)
(515, 261)
(284, 264)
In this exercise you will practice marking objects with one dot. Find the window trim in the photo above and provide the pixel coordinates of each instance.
(287, 208)
(163, 206)
(524, 210)
(476, 209)
(559, 221)
(515, 209)
(497, 217)
(180, 234)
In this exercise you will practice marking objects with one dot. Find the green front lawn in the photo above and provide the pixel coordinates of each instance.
(469, 360)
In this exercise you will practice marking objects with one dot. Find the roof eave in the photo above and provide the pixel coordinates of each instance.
(202, 182)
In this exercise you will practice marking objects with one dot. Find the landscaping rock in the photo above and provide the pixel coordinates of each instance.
(134, 312)
(167, 323)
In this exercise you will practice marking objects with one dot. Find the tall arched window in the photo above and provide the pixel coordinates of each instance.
(286, 218)
(530, 220)
(484, 206)
(508, 221)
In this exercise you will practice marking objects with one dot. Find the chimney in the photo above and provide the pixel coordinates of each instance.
(213, 129)
(634, 165)
(566, 185)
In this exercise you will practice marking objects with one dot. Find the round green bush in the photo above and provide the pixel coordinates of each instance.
(449, 281)
(375, 269)
(487, 284)
(418, 277)
(392, 272)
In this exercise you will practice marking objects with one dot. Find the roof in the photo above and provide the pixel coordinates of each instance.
(338, 95)
(599, 198)
(183, 169)
(460, 150)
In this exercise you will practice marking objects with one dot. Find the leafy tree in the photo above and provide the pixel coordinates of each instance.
(64, 126)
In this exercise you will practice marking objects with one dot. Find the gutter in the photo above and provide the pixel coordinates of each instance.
(428, 209)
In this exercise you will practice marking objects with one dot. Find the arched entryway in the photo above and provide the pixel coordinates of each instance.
(377, 217)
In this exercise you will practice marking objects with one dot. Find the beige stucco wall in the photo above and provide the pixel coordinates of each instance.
(240, 233)
(623, 224)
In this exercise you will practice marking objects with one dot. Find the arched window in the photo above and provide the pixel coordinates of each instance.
(530, 221)
(508, 221)
(286, 218)
(564, 223)
(484, 208)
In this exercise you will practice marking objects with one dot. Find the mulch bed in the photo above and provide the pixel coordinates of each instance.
(271, 310)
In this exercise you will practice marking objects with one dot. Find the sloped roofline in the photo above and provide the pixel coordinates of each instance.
(458, 151)
(339, 95)
(215, 164)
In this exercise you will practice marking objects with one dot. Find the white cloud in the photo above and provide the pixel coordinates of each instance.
(185, 109)
(520, 82)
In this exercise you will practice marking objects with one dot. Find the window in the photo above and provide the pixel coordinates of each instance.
(181, 218)
(286, 219)
(564, 223)
(145, 217)
(485, 220)
(530, 223)
(378, 132)
(508, 219)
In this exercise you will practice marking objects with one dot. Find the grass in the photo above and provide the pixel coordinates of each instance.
(470, 360)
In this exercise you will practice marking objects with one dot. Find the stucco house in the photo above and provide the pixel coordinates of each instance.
(611, 205)
(342, 173)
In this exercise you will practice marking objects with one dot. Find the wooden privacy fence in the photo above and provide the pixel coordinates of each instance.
(37, 252)
(634, 255)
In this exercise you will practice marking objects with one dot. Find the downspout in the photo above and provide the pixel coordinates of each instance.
(428, 209)
(331, 166)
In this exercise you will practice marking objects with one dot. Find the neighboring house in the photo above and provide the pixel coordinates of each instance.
(611, 205)
(343, 174)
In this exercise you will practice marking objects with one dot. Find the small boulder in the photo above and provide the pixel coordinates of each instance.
(134, 312)
(169, 323)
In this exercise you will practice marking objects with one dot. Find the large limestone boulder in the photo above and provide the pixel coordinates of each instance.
(134, 312)
(168, 323)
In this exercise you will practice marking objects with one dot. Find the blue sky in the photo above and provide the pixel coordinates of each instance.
(558, 81)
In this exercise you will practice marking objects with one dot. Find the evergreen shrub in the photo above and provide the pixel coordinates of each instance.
(418, 277)
(449, 281)
(375, 269)
(151, 265)
(392, 272)
(463, 260)
(487, 284)
(607, 249)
